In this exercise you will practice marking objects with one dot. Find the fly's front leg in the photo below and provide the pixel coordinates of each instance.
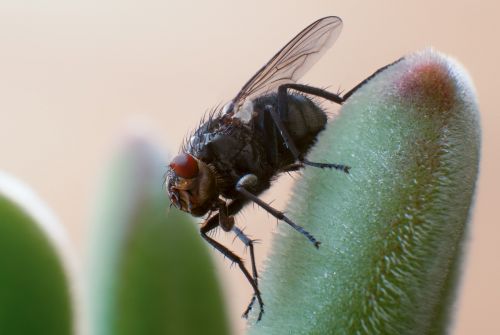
(212, 223)
(283, 109)
(247, 182)
(226, 221)
(249, 243)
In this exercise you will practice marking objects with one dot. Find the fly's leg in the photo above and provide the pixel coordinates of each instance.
(283, 108)
(292, 167)
(311, 90)
(212, 223)
(226, 221)
(355, 88)
(249, 180)
(249, 243)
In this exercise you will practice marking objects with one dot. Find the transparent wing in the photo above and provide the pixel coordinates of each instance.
(292, 61)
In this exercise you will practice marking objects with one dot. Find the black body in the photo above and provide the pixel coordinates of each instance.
(267, 129)
(235, 148)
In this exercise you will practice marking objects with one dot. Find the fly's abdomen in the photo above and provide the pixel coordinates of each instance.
(304, 118)
(303, 121)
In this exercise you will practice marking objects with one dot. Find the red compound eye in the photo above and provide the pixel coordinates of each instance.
(185, 166)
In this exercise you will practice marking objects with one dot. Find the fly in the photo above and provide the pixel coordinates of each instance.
(267, 129)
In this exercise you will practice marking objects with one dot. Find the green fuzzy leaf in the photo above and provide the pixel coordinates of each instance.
(151, 272)
(393, 230)
(35, 294)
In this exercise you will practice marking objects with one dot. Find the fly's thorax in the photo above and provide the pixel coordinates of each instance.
(191, 185)
(246, 112)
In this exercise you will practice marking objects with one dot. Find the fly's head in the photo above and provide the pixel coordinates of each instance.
(191, 185)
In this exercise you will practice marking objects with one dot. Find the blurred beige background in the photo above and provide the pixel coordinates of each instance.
(75, 75)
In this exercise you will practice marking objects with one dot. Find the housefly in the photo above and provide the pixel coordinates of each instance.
(267, 129)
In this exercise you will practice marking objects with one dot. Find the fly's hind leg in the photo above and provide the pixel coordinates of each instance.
(247, 182)
(283, 108)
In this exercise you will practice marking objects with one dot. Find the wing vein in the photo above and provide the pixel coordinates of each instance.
(292, 61)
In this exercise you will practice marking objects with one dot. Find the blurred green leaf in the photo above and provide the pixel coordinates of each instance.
(393, 230)
(35, 295)
(152, 274)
